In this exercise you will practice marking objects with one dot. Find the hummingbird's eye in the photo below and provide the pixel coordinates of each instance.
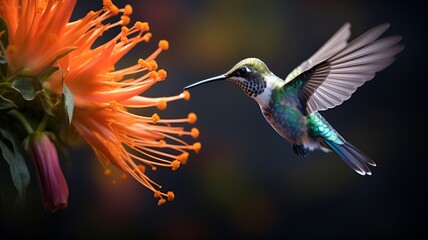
(242, 71)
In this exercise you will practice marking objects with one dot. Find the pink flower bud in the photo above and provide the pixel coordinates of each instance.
(52, 184)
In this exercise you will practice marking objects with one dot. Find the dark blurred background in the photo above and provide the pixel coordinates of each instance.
(246, 182)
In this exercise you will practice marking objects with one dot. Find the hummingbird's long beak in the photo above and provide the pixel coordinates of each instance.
(218, 78)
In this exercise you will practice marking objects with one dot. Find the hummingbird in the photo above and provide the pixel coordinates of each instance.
(327, 79)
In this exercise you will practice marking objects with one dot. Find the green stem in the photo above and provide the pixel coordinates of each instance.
(2, 49)
(22, 119)
(43, 123)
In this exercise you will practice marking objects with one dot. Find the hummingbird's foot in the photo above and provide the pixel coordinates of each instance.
(299, 150)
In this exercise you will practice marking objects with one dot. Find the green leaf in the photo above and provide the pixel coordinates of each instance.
(67, 99)
(6, 104)
(46, 74)
(48, 104)
(28, 87)
(67, 102)
(10, 149)
(4, 38)
(4, 42)
(3, 60)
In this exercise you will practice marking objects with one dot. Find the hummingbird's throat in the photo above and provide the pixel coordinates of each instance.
(253, 87)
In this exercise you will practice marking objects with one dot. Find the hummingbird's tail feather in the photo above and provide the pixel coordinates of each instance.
(356, 159)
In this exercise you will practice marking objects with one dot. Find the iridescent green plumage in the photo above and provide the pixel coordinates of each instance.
(319, 127)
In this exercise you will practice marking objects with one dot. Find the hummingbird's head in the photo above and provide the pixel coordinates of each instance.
(249, 74)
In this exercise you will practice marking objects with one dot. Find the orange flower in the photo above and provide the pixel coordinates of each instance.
(37, 36)
(101, 93)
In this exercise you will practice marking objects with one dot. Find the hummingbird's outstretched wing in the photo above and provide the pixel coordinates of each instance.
(337, 69)
(336, 43)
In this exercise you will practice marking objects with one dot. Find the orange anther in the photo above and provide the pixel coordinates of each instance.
(124, 29)
(113, 9)
(162, 74)
(107, 3)
(163, 44)
(162, 104)
(175, 165)
(197, 147)
(143, 63)
(194, 132)
(183, 157)
(155, 118)
(162, 142)
(171, 195)
(125, 20)
(147, 37)
(161, 201)
(141, 168)
(154, 75)
(128, 10)
(186, 95)
(153, 65)
(142, 26)
(191, 118)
